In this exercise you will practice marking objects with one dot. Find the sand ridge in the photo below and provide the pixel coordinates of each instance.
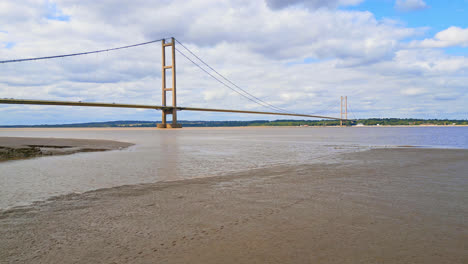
(12, 148)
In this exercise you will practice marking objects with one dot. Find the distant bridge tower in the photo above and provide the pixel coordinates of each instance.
(344, 109)
(170, 111)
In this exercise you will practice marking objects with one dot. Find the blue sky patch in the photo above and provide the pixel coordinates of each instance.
(308, 60)
(457, 51)
(438, 16)
(9, 45)
(54, 13)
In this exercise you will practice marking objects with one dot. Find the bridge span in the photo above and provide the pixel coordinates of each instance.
(169, 109)
(165, 108)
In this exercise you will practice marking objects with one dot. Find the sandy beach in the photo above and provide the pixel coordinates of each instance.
(378, 206)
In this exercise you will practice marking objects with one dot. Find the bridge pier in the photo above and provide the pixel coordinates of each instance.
(172, 111)
(164, 123)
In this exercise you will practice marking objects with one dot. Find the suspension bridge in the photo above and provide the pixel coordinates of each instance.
(171, 108)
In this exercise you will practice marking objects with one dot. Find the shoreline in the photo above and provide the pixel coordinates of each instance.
(203, 128)
(366, 209)
(32, 204)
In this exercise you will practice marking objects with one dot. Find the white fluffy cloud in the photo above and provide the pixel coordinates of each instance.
(410, 5)
(302, 58)
(314, 4)
(453, 36)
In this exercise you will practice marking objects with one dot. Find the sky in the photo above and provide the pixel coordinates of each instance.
(392, 58)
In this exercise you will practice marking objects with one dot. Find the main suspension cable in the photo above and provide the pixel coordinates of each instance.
(217, 79)
(232, 83)
(80, 53)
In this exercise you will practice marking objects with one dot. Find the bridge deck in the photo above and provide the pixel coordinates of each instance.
(156, 107)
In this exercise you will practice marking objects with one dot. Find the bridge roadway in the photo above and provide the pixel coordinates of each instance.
(156, 107)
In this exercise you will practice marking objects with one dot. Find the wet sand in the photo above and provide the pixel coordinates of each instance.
(12, 148)
(378, 206)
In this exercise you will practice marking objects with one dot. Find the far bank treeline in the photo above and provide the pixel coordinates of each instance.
(365, 122)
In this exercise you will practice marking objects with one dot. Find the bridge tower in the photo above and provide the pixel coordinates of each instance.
(344, 109)
(170, 110)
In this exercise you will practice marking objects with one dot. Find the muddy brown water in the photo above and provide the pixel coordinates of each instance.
(169, 155)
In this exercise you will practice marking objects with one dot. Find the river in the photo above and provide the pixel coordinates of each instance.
(169, 155)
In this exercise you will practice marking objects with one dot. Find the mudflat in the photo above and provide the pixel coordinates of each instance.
(26, 147)
(378, 206)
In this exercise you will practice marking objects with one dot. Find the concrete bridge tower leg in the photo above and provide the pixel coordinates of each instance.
(171, 110)
(344, 109)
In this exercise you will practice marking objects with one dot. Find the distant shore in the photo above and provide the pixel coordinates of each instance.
(201, 128)
(261, 123)
(12, 148)
(378, 206)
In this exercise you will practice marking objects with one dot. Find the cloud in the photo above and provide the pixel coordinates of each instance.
(214, 94)
(446, 96)
(413, 91)
(313, 4)
(410, 5)
(453, 36)
(252, 43)
(12, 12)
